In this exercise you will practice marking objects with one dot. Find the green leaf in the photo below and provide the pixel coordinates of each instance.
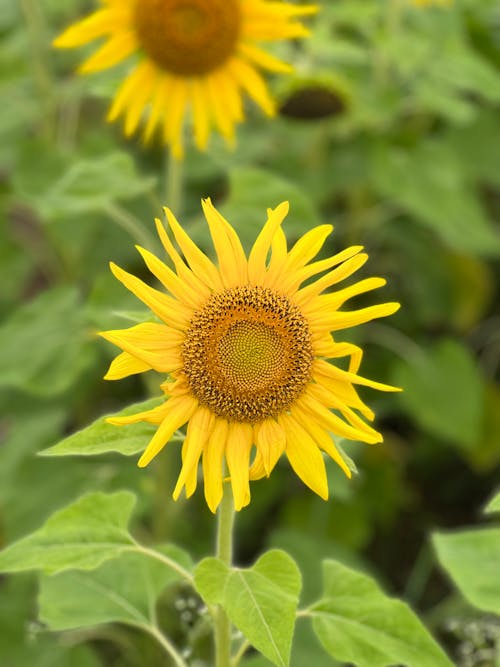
(494, 504)
(261, 601)
(123, 591)
(472, 558)
(82, 186)
(101, 437)
(44, 346)
(443, 392)
(356, 622)
(83, 535)
(431, 183)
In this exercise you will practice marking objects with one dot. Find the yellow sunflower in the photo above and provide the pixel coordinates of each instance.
(250, 354)
(197, 55)
(429, 3)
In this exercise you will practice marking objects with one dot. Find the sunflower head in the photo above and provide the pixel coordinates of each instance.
(247, 345)
(195, 58)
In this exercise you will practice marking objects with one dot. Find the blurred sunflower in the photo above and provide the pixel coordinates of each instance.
(429, 3)
(192, 54)
(248, 350)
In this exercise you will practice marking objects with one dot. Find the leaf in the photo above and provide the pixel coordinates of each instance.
(85, 185)
(261, 601)
(472, 558)
(356, 622)
(83, 535)
(430, 182)
(123, 591)
(101, 437)
(494, 504)
(443, 392)
(44, 344)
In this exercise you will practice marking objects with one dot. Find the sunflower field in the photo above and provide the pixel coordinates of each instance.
(249, 333)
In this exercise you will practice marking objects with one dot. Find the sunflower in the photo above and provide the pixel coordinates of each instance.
(429, 3)
(250, 355)
(197, 55)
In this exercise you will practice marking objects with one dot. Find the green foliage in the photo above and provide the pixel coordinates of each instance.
(494, 505)
(389, 130)
(471, 559)
(101, 437)
(53, 330)
(124, 590)
(357, 623)
(261, 601)
(90, 531)
(449, 410)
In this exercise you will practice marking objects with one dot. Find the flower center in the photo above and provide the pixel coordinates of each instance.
(188, 37)
(247, 353)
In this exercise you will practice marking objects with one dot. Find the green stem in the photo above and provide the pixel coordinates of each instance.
(245, 645)
(157, 555)
(41, 70)
(131, 224)
(225, 553)
(173, 195)
(168, 647)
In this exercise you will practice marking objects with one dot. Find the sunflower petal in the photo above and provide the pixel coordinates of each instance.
(212, 463)
(304, 456)
(239, 444)
(178, 411)
(199, 429)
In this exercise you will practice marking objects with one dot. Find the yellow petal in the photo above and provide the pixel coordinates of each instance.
(183, 271)
(199, 429)
(179, 410)
(344, 392)
(330, 421)
(331, 350)
(260, 250)
(151, 343)
(159, 106)
(173, 120)
(251, 81)
(342, 272)
(172, 312)
(345, 320)
(142, 97)
(96, 25)
(114, 51)
(153, 416)
(330, 370)
(124, 365)
(212, 463)
(220, 110)
(200, 265)
(200, 98)
(263, 59)
(322, 438)
(333, 301)
(270, 439)
(177, 287)
(278, 256)
(239, 444)
(232, 259)
(304, 456)
(332, 400)
(127, 90)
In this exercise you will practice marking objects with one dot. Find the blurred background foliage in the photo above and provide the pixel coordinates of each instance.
(389, 129)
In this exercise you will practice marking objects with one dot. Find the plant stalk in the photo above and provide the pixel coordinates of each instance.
(225, 553)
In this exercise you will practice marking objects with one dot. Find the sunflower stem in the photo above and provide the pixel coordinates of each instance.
(174, 183)
(40, 63)
(225, 553)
